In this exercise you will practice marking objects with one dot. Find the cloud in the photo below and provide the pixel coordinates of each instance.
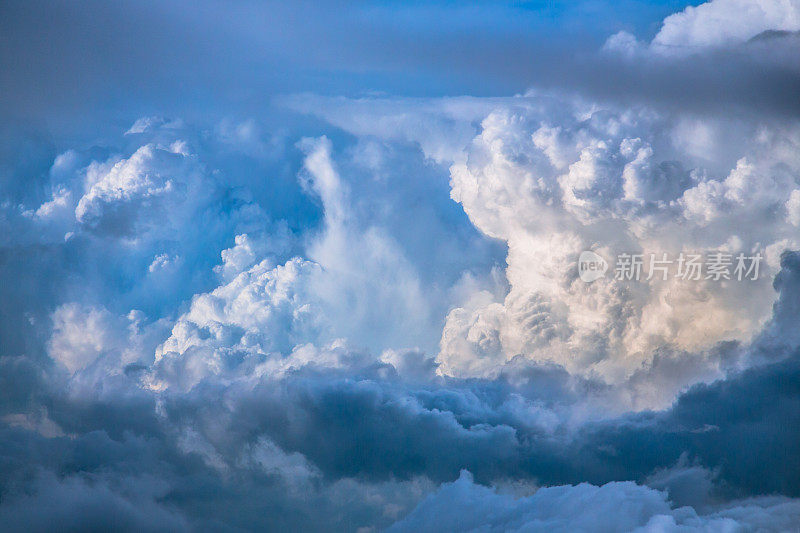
(316, 312)
(300, 440)
(356, 286)
(78, 504)
(263, 375)
(725, 22)
(119, 190)
(80, 335)
(293, 378)
(553, 177)
(465, 506)
(262, 311)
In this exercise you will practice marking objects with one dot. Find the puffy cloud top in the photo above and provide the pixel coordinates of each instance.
(725, 22)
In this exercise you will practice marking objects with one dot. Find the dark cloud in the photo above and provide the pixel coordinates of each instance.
(79, 504)
(744, 429)
(62, 60)
(147, 462)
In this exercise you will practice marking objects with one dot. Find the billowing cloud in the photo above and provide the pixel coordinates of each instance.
(553, 178)
(762, 32)
(365, 312)
(465, 506)
(724, 22)
(554, 185)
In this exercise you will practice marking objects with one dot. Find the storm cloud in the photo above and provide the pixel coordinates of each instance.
(313, 267)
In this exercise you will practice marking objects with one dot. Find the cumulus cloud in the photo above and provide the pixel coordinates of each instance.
(79, 336)
(118, 191)
(262, 311)
(228, 324)
(301, 439)
(465, 506)
(725, 22)
(553, 178)
(552, 186)
(746, 25)
(357, 287)
(296, 374)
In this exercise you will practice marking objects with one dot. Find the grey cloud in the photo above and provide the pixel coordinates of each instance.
(375, 428)
(147, 53)
(465, 506)
(78, 504)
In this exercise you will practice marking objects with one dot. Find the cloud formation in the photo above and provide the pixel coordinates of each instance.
(552, 178)
(725, 22)
(364, 312)
(464, 506)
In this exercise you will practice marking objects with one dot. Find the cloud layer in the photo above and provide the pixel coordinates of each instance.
(359, 313)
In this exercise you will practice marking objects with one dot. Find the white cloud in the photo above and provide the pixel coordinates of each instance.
(251, 249)
(793, 208)
(80, 335)
(553, 178)
(440, 128)
(710, 26)
(618, 506)
(262, 311)
(85, 336)
(356, 285)
(724, 22)
(121, 193)
(292, 468)
(552, 185)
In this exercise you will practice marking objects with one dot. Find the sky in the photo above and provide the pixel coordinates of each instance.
(400, 266)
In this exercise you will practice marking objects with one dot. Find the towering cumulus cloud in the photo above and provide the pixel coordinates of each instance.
(570, 309)
(616, 182)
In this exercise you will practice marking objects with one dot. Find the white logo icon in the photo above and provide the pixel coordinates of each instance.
(591, 266)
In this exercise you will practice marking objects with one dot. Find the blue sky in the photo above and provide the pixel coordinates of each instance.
(315, 266)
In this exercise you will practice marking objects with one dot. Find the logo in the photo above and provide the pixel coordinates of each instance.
(591, 266)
